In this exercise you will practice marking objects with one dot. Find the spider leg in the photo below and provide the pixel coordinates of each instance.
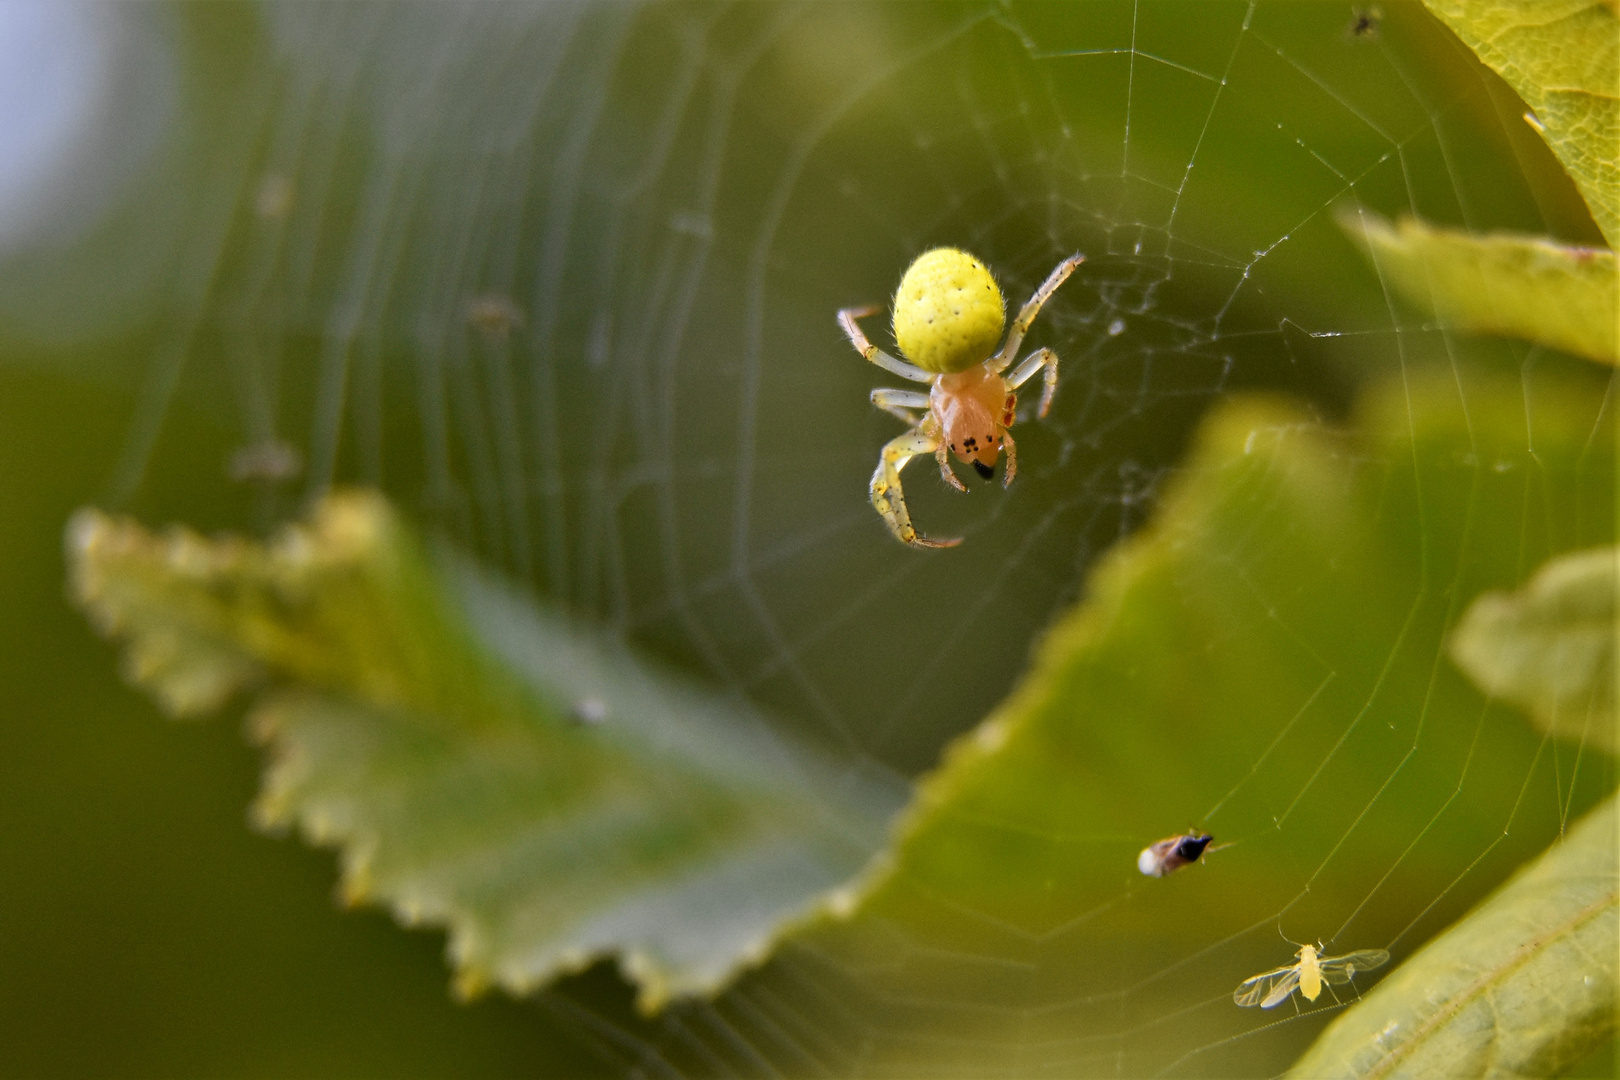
(900, 403)
(1027, 313)
(1011, 447)
(857, 338)
(887, 496)
(1032, 363)
(945, 468)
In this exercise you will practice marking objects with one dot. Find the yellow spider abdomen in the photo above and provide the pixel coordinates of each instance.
(948, 312)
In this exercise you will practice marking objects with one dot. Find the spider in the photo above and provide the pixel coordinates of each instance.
(948, 316)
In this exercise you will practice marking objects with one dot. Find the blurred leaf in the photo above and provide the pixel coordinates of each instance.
(546, 796)
(1521, 286)
(1259, 659)
(1563, 59)
(1524, 986)
(1550, 647)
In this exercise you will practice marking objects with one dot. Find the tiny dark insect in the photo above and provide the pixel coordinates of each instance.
(1364, 22)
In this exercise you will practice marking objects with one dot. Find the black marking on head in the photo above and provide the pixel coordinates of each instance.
(986, 471)
(1192, 847)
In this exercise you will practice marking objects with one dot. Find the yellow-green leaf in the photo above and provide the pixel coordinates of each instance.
(543, 794)
(1563, 59)
(1550, 647)
(1520, 286)
(1523, 986)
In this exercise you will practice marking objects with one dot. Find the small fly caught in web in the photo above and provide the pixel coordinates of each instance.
(1364, 23)
(1271, 988)
(1173, 852)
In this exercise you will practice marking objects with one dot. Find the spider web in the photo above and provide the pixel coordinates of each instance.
(561, 279)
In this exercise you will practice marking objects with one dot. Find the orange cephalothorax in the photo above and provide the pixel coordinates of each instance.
(974, 409)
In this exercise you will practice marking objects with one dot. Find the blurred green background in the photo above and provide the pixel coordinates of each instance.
(560, 279)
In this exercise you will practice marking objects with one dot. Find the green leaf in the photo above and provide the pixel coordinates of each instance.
(1550, 647)
(1563, 59)
(483, 766)
(1258, 661)
(1521, 286)
(1524, 986)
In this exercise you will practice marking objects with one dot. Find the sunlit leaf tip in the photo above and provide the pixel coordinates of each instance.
(1563, 58)
(426, 721)
(1527, 287)
(1550, 647)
